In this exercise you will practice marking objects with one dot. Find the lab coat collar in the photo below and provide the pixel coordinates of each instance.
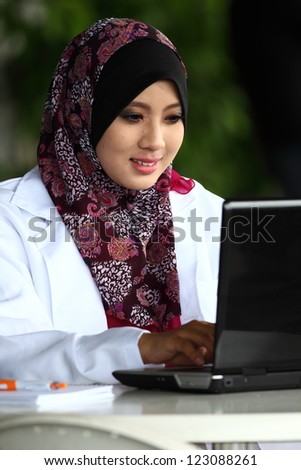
(32, 196)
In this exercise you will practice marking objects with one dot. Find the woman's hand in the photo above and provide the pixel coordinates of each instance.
(191, 344)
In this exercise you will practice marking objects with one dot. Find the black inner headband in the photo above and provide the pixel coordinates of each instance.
(127, 73)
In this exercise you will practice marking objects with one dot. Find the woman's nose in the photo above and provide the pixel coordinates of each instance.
(152, 137)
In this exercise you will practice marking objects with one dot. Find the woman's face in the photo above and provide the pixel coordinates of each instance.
(144, 139)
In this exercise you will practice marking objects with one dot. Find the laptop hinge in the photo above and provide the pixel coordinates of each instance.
(254, 371)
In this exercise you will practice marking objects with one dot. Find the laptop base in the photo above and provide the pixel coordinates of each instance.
(195, 380)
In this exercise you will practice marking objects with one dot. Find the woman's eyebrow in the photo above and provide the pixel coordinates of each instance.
(141, 104)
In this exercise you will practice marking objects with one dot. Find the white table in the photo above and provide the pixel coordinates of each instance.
(171, 420)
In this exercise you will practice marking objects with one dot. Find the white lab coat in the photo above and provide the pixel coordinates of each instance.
(52, 321)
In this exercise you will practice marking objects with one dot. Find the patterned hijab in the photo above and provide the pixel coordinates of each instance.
(124, 236)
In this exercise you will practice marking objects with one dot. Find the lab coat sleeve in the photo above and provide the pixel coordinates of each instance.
(69, 357)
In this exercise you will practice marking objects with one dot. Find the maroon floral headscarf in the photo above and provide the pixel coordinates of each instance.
(124, 236)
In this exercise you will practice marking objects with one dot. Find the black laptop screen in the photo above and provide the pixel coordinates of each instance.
(259, 306)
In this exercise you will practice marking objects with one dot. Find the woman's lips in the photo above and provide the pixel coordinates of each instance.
(145, 166)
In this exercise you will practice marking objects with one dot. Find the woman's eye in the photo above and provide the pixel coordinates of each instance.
(174, 118)
(132, 117)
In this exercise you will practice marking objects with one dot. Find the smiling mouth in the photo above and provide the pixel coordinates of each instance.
(139, 162)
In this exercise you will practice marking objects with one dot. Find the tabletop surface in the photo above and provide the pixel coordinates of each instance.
(236, 417)
(130, 401)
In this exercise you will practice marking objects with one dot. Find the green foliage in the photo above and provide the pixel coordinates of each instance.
(219, 150)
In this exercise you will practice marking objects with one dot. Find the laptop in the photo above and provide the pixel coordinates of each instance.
(258, 323)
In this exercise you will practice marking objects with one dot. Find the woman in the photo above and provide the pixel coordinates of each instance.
(103, 243)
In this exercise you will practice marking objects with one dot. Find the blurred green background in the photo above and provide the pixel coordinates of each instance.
(220, 149)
